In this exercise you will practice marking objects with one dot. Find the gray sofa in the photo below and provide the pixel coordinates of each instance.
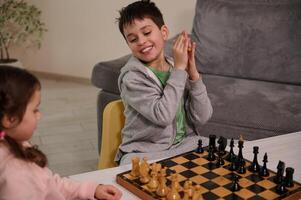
(249, 54)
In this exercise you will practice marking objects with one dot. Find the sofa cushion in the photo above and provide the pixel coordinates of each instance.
(258, 106)
(256, 39)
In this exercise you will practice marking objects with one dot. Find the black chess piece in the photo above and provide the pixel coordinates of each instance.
(232, 166)
(200, 148)
(240, 159)
(242, 167)
(254, 167)
(211, 155)
(220, 161)
(231, 154)
(264, 170)
(280, 171)
(222, 141)
(212, 142)
(280, 188)
(289, 182)
(235, 185)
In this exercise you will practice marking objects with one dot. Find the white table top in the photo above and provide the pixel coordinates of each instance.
(286, 148)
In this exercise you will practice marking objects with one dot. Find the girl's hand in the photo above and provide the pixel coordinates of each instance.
(107, 192)
(180, 51)
(191, 69)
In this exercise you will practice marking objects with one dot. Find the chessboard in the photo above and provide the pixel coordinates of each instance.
(194, 170)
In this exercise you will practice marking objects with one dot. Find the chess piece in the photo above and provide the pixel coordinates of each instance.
(254, 167)
(135, 167)
(174, 181)
(289, 182)
(186, 195)
(162, 189)
(231, 152)
(240, 147)
(156, 167)
(235, 185)
(200, 147)
(212, 143)
(173, 194)
(153, 183)
(280, 171)
(222, 141)
(197, 195)
(188, 190)
(211, 155)
(220, 161)
(232, 166)
(240, 162)
(280, 188)
(144, 172)
(264, 170)
(241, 168)
(163, 171)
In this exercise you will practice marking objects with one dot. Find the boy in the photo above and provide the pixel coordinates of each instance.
(165, 99)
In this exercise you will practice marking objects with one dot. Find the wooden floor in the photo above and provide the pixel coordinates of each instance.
(67, 132)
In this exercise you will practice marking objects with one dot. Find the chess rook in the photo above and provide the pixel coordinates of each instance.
(289, 177)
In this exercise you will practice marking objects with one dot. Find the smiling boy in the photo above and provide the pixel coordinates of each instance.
(165, 99)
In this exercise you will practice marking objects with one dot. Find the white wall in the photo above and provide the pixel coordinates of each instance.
(83, 32)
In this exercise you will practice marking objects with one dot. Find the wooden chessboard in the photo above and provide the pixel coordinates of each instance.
(215, 182)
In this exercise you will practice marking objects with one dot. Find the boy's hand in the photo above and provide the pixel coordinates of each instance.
(191, 69)
(107, 192)
(180, 51)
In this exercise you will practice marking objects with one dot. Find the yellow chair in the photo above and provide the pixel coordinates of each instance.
(112, 124)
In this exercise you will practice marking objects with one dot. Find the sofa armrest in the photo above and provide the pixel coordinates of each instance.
(105, 74)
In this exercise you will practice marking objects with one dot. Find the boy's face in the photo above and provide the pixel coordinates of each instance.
(145, 39)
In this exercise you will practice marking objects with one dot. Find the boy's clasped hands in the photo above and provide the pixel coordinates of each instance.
(184, 55)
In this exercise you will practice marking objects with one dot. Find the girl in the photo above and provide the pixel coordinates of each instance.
(23, 171)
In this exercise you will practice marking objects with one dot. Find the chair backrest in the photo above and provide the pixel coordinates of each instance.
(112, 124)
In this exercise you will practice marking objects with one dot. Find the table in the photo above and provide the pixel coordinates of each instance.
(286, 148)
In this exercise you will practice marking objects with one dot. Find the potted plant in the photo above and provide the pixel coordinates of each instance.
(20, 24)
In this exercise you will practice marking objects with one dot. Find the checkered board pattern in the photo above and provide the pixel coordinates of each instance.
(215, 182)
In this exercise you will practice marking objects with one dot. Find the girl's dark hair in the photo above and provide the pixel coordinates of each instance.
(17, 86)
(139, 10)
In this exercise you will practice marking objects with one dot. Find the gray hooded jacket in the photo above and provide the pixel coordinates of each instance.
(150, 109)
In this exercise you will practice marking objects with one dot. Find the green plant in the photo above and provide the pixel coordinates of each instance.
(20, 24)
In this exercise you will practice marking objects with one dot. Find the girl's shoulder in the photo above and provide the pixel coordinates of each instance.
(4, 152)
(4, 149)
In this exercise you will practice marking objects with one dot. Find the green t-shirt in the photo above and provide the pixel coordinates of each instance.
(180, 115)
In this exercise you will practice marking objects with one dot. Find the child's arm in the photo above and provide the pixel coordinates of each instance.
(85, 190)
(199, 105)
(141, 94)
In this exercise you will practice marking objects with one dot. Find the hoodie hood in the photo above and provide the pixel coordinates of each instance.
(136, 65)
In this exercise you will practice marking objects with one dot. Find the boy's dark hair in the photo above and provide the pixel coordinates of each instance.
(17, 87)
(139, 10)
